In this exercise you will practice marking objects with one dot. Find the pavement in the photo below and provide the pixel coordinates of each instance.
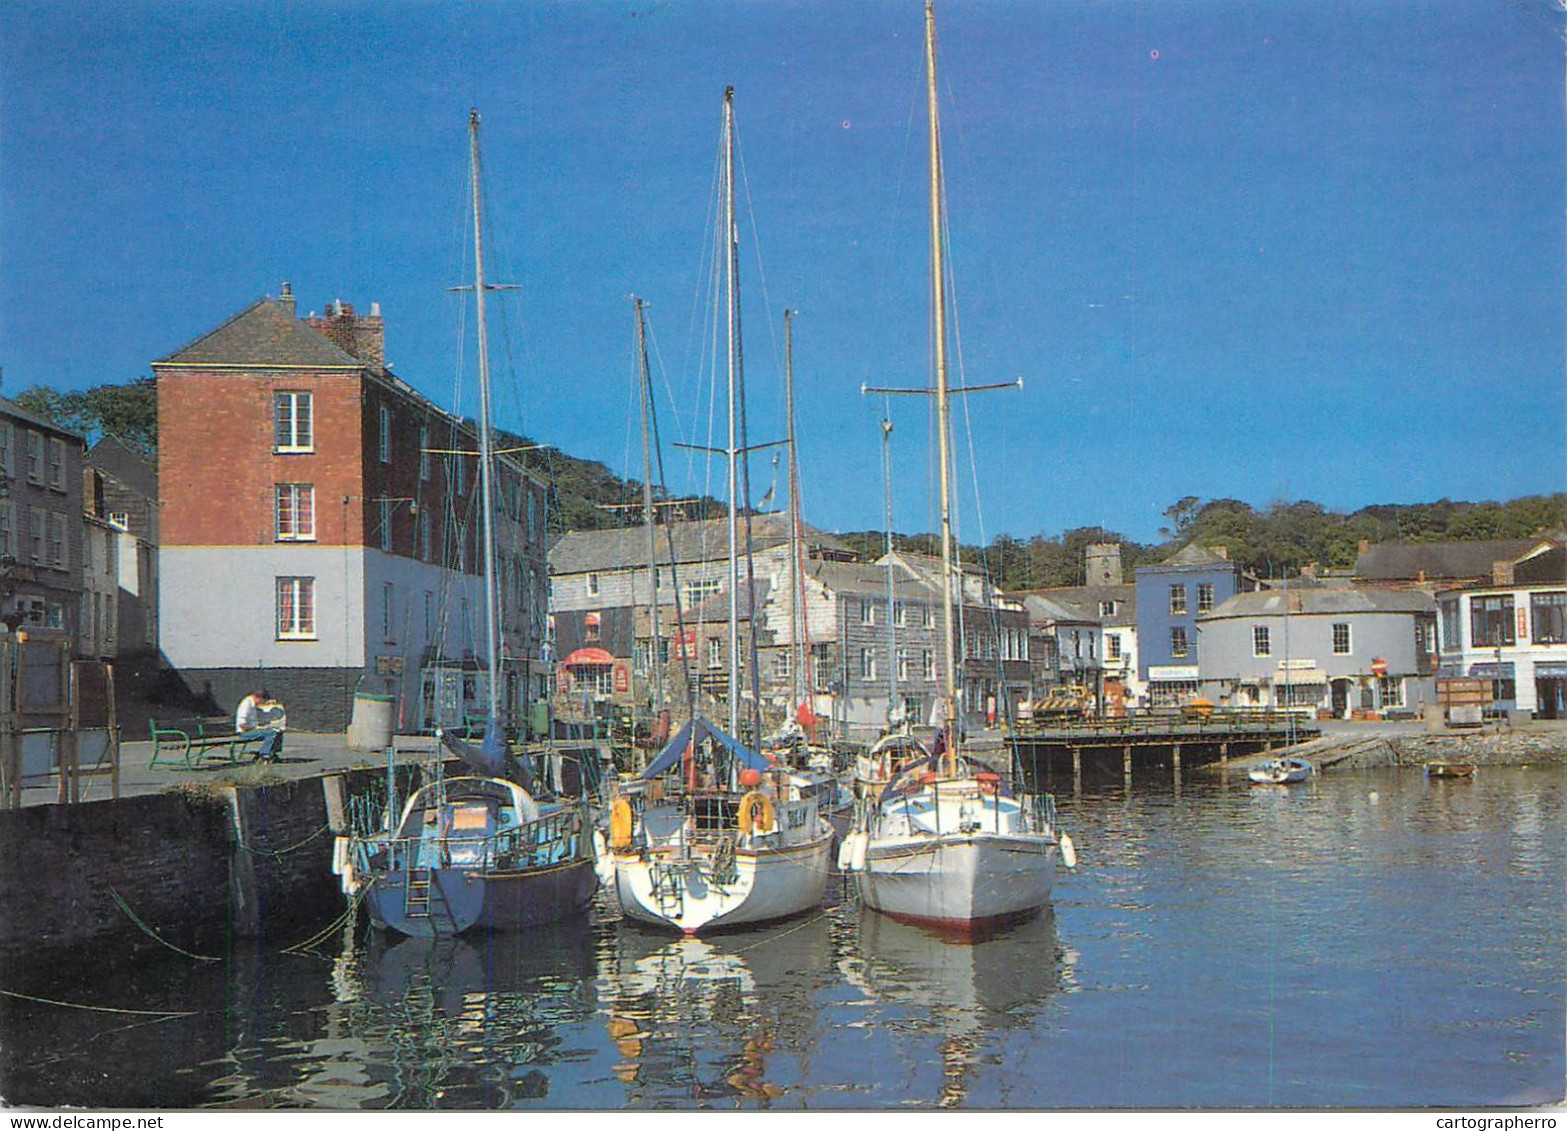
(308, 755)
(305, 755)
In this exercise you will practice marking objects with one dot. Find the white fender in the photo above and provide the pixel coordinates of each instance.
(851, 853)
(603, 859)
(1068, 851)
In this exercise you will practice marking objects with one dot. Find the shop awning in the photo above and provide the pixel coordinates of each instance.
(584, 656)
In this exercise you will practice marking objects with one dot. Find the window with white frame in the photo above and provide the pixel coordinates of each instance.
(1178, 643)
(296, 608)
(1491, 621)
(867, 612)
(7, 448)
(901, 614)
(904, 666)
(57, 546)
(715, 652)
(1107, 608)
(120, 520)
(1261, 640)
(56, 463)
(1112, 646)
(295, 512)
(1390, 690)
(928, 665)
(37, 522)
(1177, 600)
(1341, 642)
(386, 434)
(293, 422)
(7, 529)
(867, 663)
(1451, 626)
(700, 589)
(1205, 597)
(35, 457)
(1548, 617)
(783, 666)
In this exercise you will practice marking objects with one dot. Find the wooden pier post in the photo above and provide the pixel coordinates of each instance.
(1126, 762)
(1077, 769)
(1177, 763)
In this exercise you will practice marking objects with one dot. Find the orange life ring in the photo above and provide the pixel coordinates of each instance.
(620, 824)
(756, 813)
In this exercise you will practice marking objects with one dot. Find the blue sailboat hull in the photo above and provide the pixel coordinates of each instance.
(464, 899)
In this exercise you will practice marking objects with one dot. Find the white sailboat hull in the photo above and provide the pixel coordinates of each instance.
(959, 880)
(688, 891)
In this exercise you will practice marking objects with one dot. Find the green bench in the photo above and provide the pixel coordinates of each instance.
(188, 750)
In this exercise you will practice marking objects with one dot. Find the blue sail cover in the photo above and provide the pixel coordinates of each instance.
(487, 757)
(699, 730)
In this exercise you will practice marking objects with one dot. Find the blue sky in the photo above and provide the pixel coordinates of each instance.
(1257, 250)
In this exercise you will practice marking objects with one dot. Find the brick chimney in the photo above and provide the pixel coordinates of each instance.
(1365, 546)
(286, 299)
(359, 335)
(1502, 573)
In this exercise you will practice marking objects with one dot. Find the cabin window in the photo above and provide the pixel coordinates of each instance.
(1177, 600)
(1261, 640)
(293, 422)
(295, 512)
(1341, 640)
(296, 608)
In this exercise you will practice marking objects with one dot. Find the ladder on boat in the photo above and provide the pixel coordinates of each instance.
(421, 894)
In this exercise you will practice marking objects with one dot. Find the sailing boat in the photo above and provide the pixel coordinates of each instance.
(947, 842)
(476, 851)
(730, 838)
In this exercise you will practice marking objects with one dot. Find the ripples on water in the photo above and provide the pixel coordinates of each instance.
(1363, 940)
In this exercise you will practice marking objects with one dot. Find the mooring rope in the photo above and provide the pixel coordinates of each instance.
(154, 934)
(782, 934)
(336, 924)
(277, 853)
(100, 1008)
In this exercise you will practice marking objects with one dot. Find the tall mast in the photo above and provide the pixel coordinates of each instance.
(731, 273)
(645, 388)
(892, 622)
(486, 454)
(943, 405)
(796, 605)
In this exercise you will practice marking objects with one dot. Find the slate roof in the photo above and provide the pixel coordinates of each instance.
(589, 551)
(115, 460)
(17, 412)
(1406, 561)
(1081, 602)
(1192, 554)
(1322, 601)
(861, 579)
(263, 335)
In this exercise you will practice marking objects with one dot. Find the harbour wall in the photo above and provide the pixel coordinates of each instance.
(196, 866)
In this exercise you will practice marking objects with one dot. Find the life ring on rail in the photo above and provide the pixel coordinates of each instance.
(988, 782)
(756, 813)
(620, 824)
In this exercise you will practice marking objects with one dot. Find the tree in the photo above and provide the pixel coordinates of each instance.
(127, 413)
(1181, 515)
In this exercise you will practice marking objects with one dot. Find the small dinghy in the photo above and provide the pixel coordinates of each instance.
(1281, 771)
(1450, 769)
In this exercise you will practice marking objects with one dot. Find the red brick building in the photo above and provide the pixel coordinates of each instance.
(320, 527)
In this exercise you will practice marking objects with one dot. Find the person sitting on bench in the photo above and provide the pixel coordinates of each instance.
(259, 711)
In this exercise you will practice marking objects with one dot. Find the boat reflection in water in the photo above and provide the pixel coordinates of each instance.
(708, 1022)
(456, 1022)
(966, 991)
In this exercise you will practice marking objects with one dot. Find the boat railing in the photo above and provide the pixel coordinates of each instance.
(552, 838)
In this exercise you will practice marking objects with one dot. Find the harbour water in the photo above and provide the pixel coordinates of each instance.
(1365, 940)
